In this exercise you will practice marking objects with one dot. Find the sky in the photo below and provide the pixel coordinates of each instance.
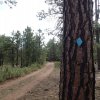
(23, 15)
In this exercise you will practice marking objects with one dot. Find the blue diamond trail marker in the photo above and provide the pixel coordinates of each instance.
(79, 41)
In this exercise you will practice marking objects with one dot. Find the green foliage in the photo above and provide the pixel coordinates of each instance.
(22, 49)
(17, 43)
(42, 57)
(27, 45)
(97, 45)
(8, 72)
(25, 52)
(54, 50)
(57, 64)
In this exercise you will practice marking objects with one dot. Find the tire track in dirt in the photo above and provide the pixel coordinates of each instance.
(29, 82)
(48, 89)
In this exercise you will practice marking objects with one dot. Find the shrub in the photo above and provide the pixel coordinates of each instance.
(7, 72)
(57, 64)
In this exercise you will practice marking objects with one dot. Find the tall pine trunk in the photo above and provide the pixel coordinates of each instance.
(1, 58)
(21, 57)
(12, 56)
(17, 56)
(77, 71)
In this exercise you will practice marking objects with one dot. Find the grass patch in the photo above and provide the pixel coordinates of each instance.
(57, 64)
(8, 72)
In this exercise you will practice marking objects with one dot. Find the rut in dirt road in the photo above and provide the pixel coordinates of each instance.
(18, 88)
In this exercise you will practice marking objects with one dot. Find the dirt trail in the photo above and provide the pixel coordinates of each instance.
(48, 89)
(97, 88)
(17, 88)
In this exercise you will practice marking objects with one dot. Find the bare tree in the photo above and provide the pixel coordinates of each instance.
(10, 3)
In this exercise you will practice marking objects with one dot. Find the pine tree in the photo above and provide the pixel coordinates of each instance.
(27, 45)
(77, 71)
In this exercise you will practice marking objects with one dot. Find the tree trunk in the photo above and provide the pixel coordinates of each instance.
(12, 56)
(98, 57)
(21, 58)
(77, 71)
(1, 58)
(17, 57)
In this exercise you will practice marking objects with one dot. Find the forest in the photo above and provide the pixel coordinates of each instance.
(23, 52)
(77, 77)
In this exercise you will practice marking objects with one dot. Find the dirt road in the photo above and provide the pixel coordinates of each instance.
(40, 85)
(97, 86)
(15, 89)
(48, 89)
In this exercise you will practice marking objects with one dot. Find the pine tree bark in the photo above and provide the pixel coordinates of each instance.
(1, 58)
(17, 60)
(77, 80)
(12, 56)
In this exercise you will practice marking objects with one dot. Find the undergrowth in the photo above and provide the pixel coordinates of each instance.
(8, 72)
(57, 64)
